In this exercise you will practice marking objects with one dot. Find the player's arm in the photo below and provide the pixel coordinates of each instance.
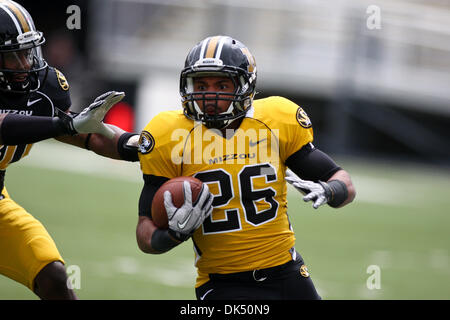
(150, 238)
(344, 177)
(122, 146)
(321, 179)
(153, 240)
(104, 139)
(18, 129)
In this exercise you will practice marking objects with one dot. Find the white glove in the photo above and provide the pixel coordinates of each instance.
(312, 190)
(90, 119)
(185, 220)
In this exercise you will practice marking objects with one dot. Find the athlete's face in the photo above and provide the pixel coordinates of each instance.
(213, 84)
(17, 60)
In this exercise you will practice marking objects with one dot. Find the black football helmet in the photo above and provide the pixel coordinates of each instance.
(218, 56)
(20, 50)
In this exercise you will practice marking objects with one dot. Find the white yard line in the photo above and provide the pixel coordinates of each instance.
(51, 154)
(59, 156)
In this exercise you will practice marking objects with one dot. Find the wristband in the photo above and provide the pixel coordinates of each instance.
(162, 241)
(65, 122)
(127, 152)
(337, 193)
(178, 235)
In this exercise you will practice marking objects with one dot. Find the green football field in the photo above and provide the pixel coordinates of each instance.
(396, 234)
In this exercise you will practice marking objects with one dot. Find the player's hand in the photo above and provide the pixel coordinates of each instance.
(90, 119)
(185, 220)
(319, 193)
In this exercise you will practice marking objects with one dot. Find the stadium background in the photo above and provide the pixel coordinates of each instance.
(379, 100)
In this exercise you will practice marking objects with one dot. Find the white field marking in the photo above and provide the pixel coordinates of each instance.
(382, 190)
(181, 274)
(383, 258)
(437, 259)
(60, 156)
(172, 278)
(377, 190)
(336, 288)
(339, 289)
(364, 293)
(126, 265)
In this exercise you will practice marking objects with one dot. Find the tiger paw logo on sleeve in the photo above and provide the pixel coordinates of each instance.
(62, 80)
(303, 118)
(304, 271)
(146, 142)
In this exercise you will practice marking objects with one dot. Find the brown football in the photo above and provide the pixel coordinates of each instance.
(175, 186)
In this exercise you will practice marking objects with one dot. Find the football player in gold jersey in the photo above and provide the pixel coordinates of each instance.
(34, 99)
(241, 149)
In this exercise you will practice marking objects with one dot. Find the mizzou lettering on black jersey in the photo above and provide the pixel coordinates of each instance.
(249, 227)
(52, 94)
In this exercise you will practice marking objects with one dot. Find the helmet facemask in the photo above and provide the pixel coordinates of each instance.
(21, 62)
(218, 56)
(239, 101)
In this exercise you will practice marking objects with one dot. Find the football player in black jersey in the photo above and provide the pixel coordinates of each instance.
(34, 105)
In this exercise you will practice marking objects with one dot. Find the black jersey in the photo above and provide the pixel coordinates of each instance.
(53, 93)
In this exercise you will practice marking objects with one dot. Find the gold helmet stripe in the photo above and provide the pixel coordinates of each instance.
(19, 15)
(219, 47)
(28, 17)
(250, 58)
(211, 48)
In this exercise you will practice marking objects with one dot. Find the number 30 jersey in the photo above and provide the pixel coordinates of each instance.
(245, 171)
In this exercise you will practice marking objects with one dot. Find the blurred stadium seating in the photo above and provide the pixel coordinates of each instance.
(391, 85)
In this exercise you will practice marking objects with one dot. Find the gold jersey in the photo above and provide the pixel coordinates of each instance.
(245, 171)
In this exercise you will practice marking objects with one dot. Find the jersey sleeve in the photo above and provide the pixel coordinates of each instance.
(157, 150)
(294, 127)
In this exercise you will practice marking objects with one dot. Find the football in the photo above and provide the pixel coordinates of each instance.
(175, 186)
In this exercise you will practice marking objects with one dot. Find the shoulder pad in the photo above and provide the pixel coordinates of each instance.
(56, 87)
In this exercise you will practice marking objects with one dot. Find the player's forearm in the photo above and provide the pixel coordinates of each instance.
(144, 233)
(104, 146)
(95, 142)
(344, 176)
(152, 240)
(18, 129)
(112, 148)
